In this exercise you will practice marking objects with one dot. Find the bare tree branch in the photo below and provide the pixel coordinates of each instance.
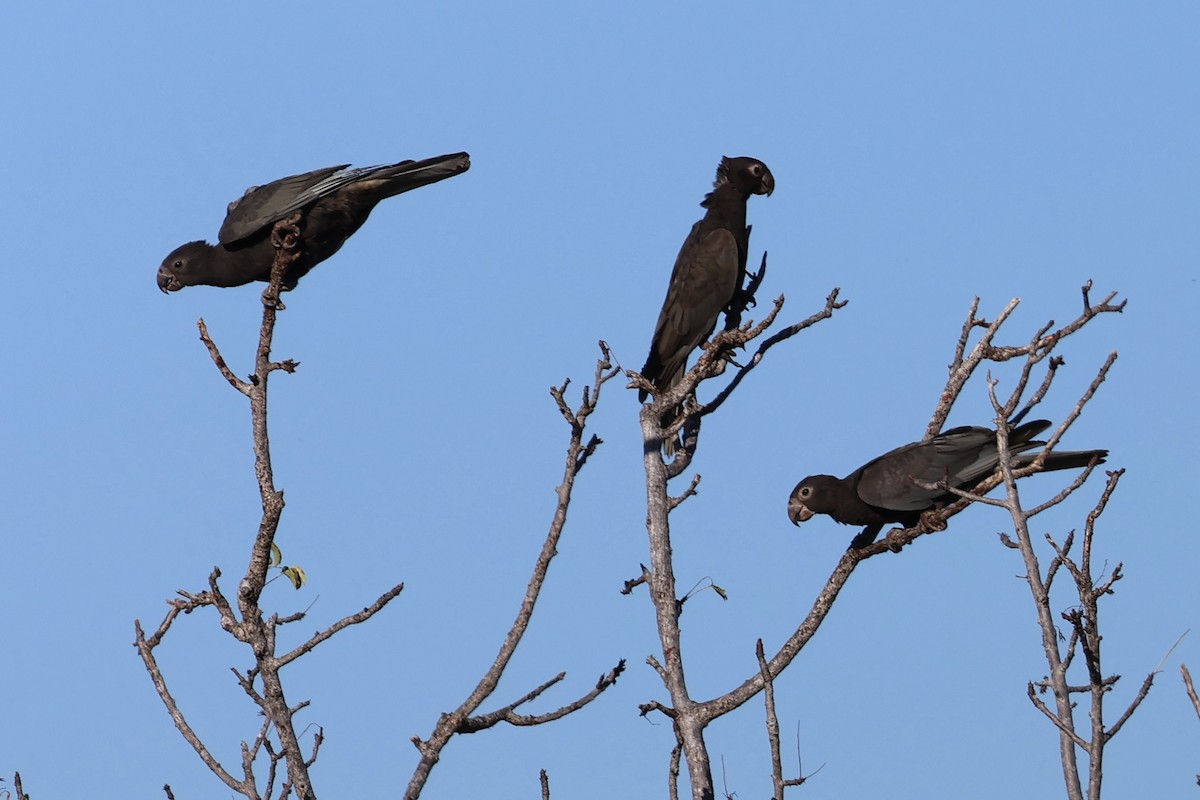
(19, 788)
(673, 502)
(219, 360)
(716, 355)
(1191, 693)
(832, 304)
(1083, 618)
(1190, 687)
(645, 708)
(453, 722)
(964, 364)
(146, 651)
(772, 721)
(1066, 729)
(962, 367)
(506, 714)
(484, 721)
(1133, 705)
(673, 772)
(345, 622)
(633, 583)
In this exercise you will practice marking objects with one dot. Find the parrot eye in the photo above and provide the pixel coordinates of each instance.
(178, 265)
(806, 491)
(756, 170)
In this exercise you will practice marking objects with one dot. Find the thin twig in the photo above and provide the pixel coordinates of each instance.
(772, 720)
(832, 304)
(345, 622)
(1190, 687)
(690, 491)
(145, 650)
(506, 714)
(1067, 731)
(219, 360)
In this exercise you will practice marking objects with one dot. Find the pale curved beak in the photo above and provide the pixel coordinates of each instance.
(167, 282)
(798, 512)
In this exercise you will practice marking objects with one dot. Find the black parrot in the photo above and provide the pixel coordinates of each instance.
(336, 202)
(708, 271)
(883, 490)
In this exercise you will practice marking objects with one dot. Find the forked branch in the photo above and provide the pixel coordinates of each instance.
(463, 719)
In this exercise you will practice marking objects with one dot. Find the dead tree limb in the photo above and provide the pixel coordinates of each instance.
(463, 719)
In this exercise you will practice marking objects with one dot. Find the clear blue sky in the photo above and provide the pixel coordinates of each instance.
(924, 154)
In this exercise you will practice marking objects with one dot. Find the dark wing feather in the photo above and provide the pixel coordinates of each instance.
(263, 205)
(963, 455)
(393, 179)
(702, 282)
